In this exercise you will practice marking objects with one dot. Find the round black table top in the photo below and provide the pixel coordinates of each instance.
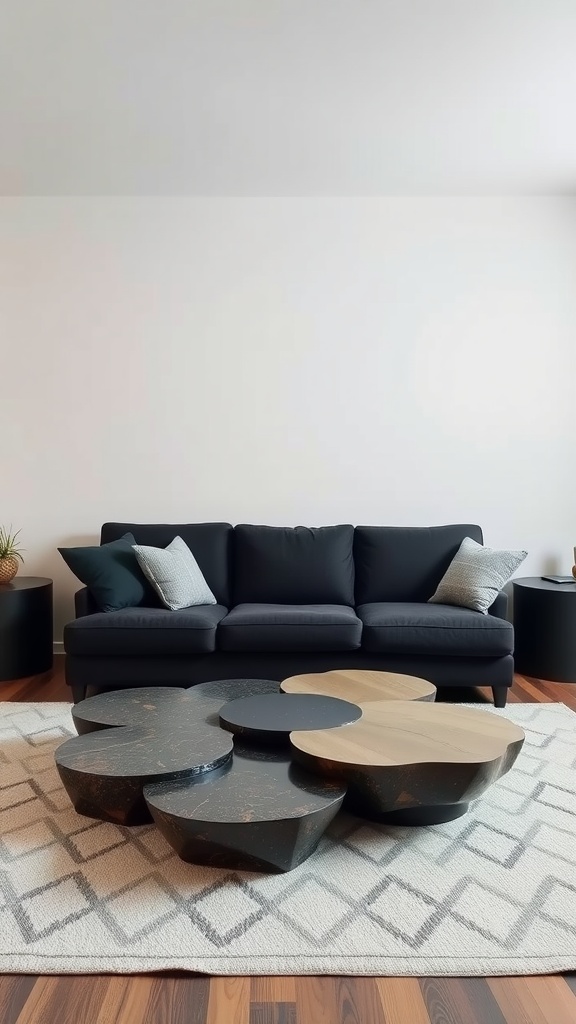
(139, 706)
(537, 583)
(256, 785)
(273, 716)
(25, 583)
(158, 738)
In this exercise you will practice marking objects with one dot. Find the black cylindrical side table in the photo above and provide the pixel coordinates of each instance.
(25, 627)
(545, 629)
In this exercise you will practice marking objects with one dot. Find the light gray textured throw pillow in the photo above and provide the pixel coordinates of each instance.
(476, 575)
(175, 574)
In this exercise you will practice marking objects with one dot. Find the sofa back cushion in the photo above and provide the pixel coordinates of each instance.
(405, 563)
(293, 565)
(210, 543)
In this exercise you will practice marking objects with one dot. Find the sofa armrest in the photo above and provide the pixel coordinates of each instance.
(499, 607)
(84, 603)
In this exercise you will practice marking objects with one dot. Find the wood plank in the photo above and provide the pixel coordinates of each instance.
(552, 990)
(531, 694)
(317, 1000)
(535, 1000)
(50, 686)
(460, 1001)
(126, 1000)
(273, 990)
(270, 1013)
(229, 1001)
(14, 991)
(402, 1001)
(570, 980)
(543, 691)
(563, 692)
(177, 999)
(359, 1001)
(66, 999)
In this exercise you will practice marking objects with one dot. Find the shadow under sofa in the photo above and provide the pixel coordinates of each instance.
(292, 600)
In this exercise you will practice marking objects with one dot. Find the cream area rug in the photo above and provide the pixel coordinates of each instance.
(491, 893)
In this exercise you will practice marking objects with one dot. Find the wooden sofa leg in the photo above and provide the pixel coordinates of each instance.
(499, 694)
(79, 693)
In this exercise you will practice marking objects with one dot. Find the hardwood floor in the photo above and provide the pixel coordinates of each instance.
(183, 999)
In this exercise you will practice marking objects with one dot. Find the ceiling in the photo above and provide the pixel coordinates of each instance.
(288, 97)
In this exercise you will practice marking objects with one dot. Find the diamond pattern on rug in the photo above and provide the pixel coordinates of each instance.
(558, 903)
(556, 841)
(481, 839)
(419, 911)
(152, 845)
(315, 909)
(48, 908)
(15, 795)
(129, 911)
(554, 796)
(492, 913)
(489, 893)
(223, 912)
(95, 839)
(24, 841)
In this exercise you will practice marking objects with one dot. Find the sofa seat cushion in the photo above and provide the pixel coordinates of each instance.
(285, 627)
(438, 629)
(145, 631)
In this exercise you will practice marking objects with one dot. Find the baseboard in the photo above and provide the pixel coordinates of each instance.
(58, 647)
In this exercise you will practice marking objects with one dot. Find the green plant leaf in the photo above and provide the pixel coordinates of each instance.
(9, 545)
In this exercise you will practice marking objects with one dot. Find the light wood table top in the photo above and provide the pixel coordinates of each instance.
(412, 732)
(361, 685)
(412, 762)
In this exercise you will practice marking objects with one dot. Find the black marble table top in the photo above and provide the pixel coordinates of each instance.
(141, 706)
(258, 784)
(165, 741)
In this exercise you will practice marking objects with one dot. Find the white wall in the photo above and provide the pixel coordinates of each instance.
(396, 361)
(287, 97)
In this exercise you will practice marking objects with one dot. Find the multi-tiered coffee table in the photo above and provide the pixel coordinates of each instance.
(242, 774)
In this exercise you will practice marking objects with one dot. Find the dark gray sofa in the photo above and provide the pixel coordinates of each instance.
(294, 600)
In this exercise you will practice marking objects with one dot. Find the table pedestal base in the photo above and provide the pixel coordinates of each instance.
(435, 815)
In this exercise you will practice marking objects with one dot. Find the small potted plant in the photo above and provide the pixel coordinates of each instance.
(10, 553)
